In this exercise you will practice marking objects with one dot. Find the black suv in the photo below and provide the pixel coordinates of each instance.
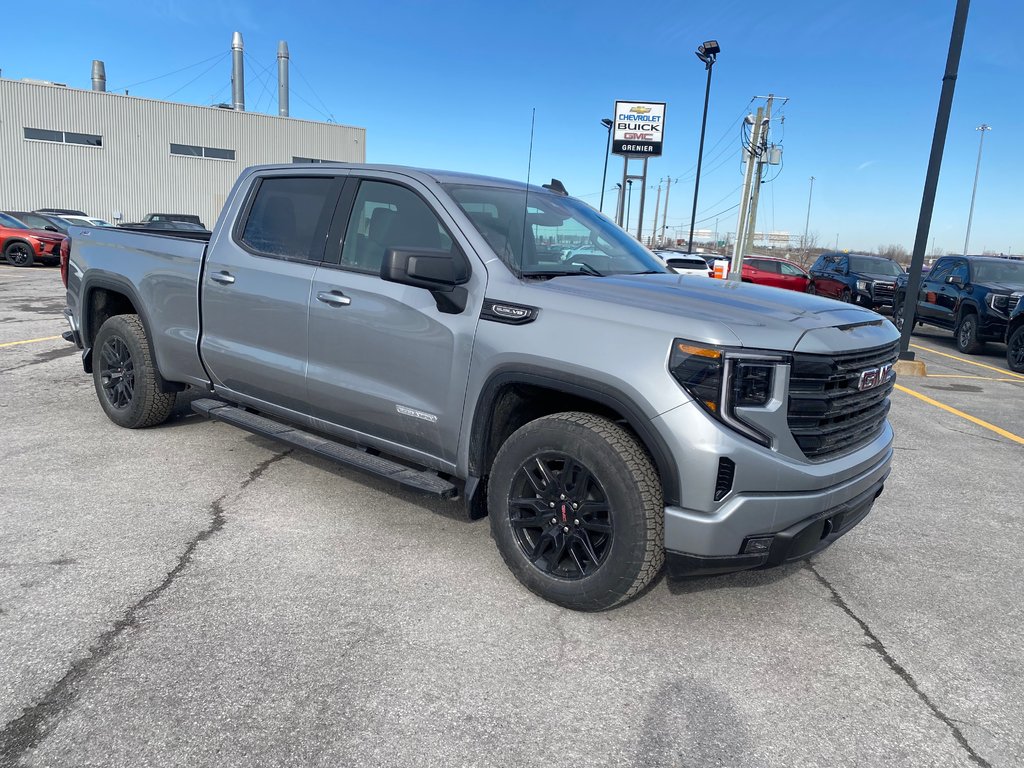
(1015, 334)
(856, 278)
(973, 296)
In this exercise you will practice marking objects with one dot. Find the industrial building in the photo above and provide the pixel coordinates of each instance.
(119, 157)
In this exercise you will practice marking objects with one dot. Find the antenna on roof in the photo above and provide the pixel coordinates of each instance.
(526, 199)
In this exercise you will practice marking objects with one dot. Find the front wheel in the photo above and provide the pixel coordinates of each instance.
(125, 375)
(19, 255)
(810, 289)
(846, 296)
(577, 512)
(967, 335)
(1015, 350)
(897, 314)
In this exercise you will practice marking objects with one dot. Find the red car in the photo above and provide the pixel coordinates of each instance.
(779, 273)
(21, 245)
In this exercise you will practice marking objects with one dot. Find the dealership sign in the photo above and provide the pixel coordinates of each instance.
(639, 128)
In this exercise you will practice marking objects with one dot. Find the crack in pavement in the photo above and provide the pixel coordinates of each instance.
(36, 721)
(876, 645)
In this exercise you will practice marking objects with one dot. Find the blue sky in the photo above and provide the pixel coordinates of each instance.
(453, 85)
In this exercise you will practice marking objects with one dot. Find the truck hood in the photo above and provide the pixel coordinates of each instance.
(727, 312)
(879, 277)
(1005, 287)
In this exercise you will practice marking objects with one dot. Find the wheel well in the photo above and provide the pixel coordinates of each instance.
(967, 309)
(103, 304)
(16, 239)
(1016, 323)
(513, 404)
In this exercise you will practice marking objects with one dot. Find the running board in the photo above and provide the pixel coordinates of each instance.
(419, 480)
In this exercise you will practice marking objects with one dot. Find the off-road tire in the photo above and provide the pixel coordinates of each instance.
(19, 254)
(621, 472)
(125, 375)
(967, 334)
(1015, 350)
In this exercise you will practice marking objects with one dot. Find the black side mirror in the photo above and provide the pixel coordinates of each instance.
(440, 272)
(51, 228)
(955, 280)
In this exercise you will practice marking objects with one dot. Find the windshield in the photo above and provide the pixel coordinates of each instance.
(549, 235)
(10, 221)
(998, 272)
(875, 266)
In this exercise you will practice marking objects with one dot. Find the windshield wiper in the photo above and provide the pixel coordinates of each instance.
(584, 269)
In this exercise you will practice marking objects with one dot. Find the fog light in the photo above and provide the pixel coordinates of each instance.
(758, 546)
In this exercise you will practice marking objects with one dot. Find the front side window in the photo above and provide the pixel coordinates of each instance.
(286, 216)
(790, 269)
(389, 216)
(547, 235)
(960, 270)
(941, 270)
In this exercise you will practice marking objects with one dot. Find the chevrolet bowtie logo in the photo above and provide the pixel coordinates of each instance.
(640, 110)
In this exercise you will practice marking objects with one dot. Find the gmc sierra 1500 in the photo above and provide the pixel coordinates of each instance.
(507, 344)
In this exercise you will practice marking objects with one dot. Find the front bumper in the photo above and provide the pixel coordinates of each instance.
(795, 542)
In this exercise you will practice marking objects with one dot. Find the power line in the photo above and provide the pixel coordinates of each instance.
(160, 77)
(327, 110)
(186, 85)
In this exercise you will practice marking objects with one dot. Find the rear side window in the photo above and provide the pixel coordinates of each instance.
(389, 216)
(289, 216)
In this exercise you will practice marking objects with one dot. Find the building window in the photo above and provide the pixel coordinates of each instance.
(311, 160)
(64, 137)
(190, 150)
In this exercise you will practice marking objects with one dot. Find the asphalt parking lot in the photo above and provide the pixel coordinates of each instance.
(193, 595)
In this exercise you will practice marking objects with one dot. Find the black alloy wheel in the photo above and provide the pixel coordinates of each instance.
(1015, 350)
(967, 335)
(560, 516)
(117, 373)
(125, 376)
(576, 510)
(19, 255)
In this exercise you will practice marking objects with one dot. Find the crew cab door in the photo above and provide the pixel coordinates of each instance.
(934, 286)
(387, 366)
(255, 285)
(828, 276)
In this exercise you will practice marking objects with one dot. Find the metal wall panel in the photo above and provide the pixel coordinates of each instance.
(134, 173)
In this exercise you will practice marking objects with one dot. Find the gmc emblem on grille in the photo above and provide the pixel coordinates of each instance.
(874, 377)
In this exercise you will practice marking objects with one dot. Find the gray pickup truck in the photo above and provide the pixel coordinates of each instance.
(508, 346)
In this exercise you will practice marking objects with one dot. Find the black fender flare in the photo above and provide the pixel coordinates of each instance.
(567, 383)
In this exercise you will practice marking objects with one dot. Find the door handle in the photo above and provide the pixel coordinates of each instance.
(334, 298)
(224, 278)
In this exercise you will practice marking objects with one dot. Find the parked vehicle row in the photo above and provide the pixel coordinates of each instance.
(975, 297)
(21, 244)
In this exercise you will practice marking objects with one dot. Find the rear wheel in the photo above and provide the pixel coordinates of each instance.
(125, 376)
(1015, 350)
(967, 335)
(810, 289)
(19, 255)
(576, 511)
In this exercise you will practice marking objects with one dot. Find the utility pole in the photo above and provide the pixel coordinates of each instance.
(807, 223)
(762, 159)
(654, 227)
(977, 170)
(736, 270)
(664, 215)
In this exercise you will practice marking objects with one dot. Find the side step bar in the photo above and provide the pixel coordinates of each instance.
(419, 480)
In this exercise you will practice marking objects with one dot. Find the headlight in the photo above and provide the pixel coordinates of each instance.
(999, 301)
(722, 379)
(862, 285)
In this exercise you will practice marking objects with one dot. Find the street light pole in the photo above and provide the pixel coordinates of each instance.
(629, 202)
(607, 151)
(977, 170)
(807, 223)
(708, 53)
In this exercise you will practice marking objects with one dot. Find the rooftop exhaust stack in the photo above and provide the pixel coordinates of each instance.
(237, 73)
(282, 79)
(99, 76)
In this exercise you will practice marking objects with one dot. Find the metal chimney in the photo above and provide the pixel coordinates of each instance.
(99, 76)
(237, 73)
(282, 79)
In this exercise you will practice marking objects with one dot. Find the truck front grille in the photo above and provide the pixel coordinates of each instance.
(885, 290)
(1014, 301)
(828, 412)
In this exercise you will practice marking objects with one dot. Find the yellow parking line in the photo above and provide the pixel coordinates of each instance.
(28, 341)
(966, 376)
(962, 415)
(969, 362)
